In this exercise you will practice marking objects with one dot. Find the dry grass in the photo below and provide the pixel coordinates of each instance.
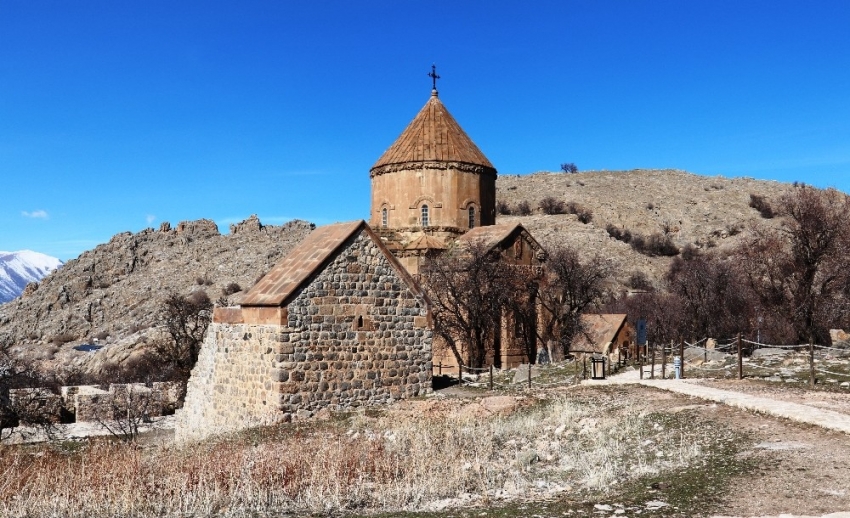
(359, 462)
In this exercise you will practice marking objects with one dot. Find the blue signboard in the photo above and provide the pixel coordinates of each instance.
(641, 331)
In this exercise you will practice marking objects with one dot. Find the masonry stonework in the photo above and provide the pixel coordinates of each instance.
(355, 334)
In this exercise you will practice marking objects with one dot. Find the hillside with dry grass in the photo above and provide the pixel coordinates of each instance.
(111, 293)
(700, 211)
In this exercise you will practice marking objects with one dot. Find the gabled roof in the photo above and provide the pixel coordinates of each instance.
(490, 235)
(425, 242)
(433, 136)
(493, 235)
(599, 330)
(309, 257)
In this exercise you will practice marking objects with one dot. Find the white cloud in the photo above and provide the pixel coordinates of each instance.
(150, 218)
(36, 214)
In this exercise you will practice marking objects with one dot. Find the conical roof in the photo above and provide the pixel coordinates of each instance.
(433, 137)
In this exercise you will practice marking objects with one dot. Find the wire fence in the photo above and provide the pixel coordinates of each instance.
(696, 360)
(698, 357)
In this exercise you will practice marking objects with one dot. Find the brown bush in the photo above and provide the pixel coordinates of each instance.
(655, 245)
(549, 205)
(230, 289)
(503, 208)
(761, 204)
(523, 208)
(623, 235)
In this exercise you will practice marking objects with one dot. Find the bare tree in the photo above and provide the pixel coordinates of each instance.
(25, 397)
(712, 296)
(799, 269)
(185, 319)
(661, 311)
(470, 287)
(569, 288)
(124, 411)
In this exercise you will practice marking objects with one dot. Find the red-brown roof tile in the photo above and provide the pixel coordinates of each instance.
(433, 136)
(310, 256)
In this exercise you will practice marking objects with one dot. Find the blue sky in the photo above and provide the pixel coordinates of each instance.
(116, 116)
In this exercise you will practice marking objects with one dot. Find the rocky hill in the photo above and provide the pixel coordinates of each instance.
(110, 295)
(702, 211)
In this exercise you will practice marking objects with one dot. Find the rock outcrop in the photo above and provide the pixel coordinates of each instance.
(110, 295)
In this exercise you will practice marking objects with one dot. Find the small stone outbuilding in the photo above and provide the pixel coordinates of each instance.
(338, 323)
(608, 334)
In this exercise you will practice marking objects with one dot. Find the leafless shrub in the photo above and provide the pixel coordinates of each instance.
(523, 208)
(655, 245)
(230, 289)
(185, 319)
(761, 204)
(569, 167)
(549, 205)
(25, 396)
(639, 281)
(503, 208)
(126, 408)
(623, 235)
(584, 214)
(689, 252)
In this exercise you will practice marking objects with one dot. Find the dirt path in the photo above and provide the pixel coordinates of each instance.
(799, 470)
(696, 387)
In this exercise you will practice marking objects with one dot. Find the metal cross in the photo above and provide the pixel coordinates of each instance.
(433, 75)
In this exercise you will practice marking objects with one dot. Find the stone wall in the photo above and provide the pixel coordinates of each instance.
(355, 334)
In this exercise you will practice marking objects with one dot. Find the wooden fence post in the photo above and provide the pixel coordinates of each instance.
(740, 359)
(652, 372)
(640, 364)
(812, 364)
(491, 377)
(682, 357)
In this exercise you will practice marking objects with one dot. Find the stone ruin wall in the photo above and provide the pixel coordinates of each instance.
(354, 335)
(92, 403)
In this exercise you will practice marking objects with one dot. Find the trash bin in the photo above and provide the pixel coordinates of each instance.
(597, 368)
(677, 366)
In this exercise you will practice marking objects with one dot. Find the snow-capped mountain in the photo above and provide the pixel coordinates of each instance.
(17, 269)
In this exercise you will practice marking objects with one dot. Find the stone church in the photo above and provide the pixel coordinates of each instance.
(341, 321)
(433, 187)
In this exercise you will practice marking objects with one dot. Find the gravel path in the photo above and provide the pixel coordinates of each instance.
(692, 387)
